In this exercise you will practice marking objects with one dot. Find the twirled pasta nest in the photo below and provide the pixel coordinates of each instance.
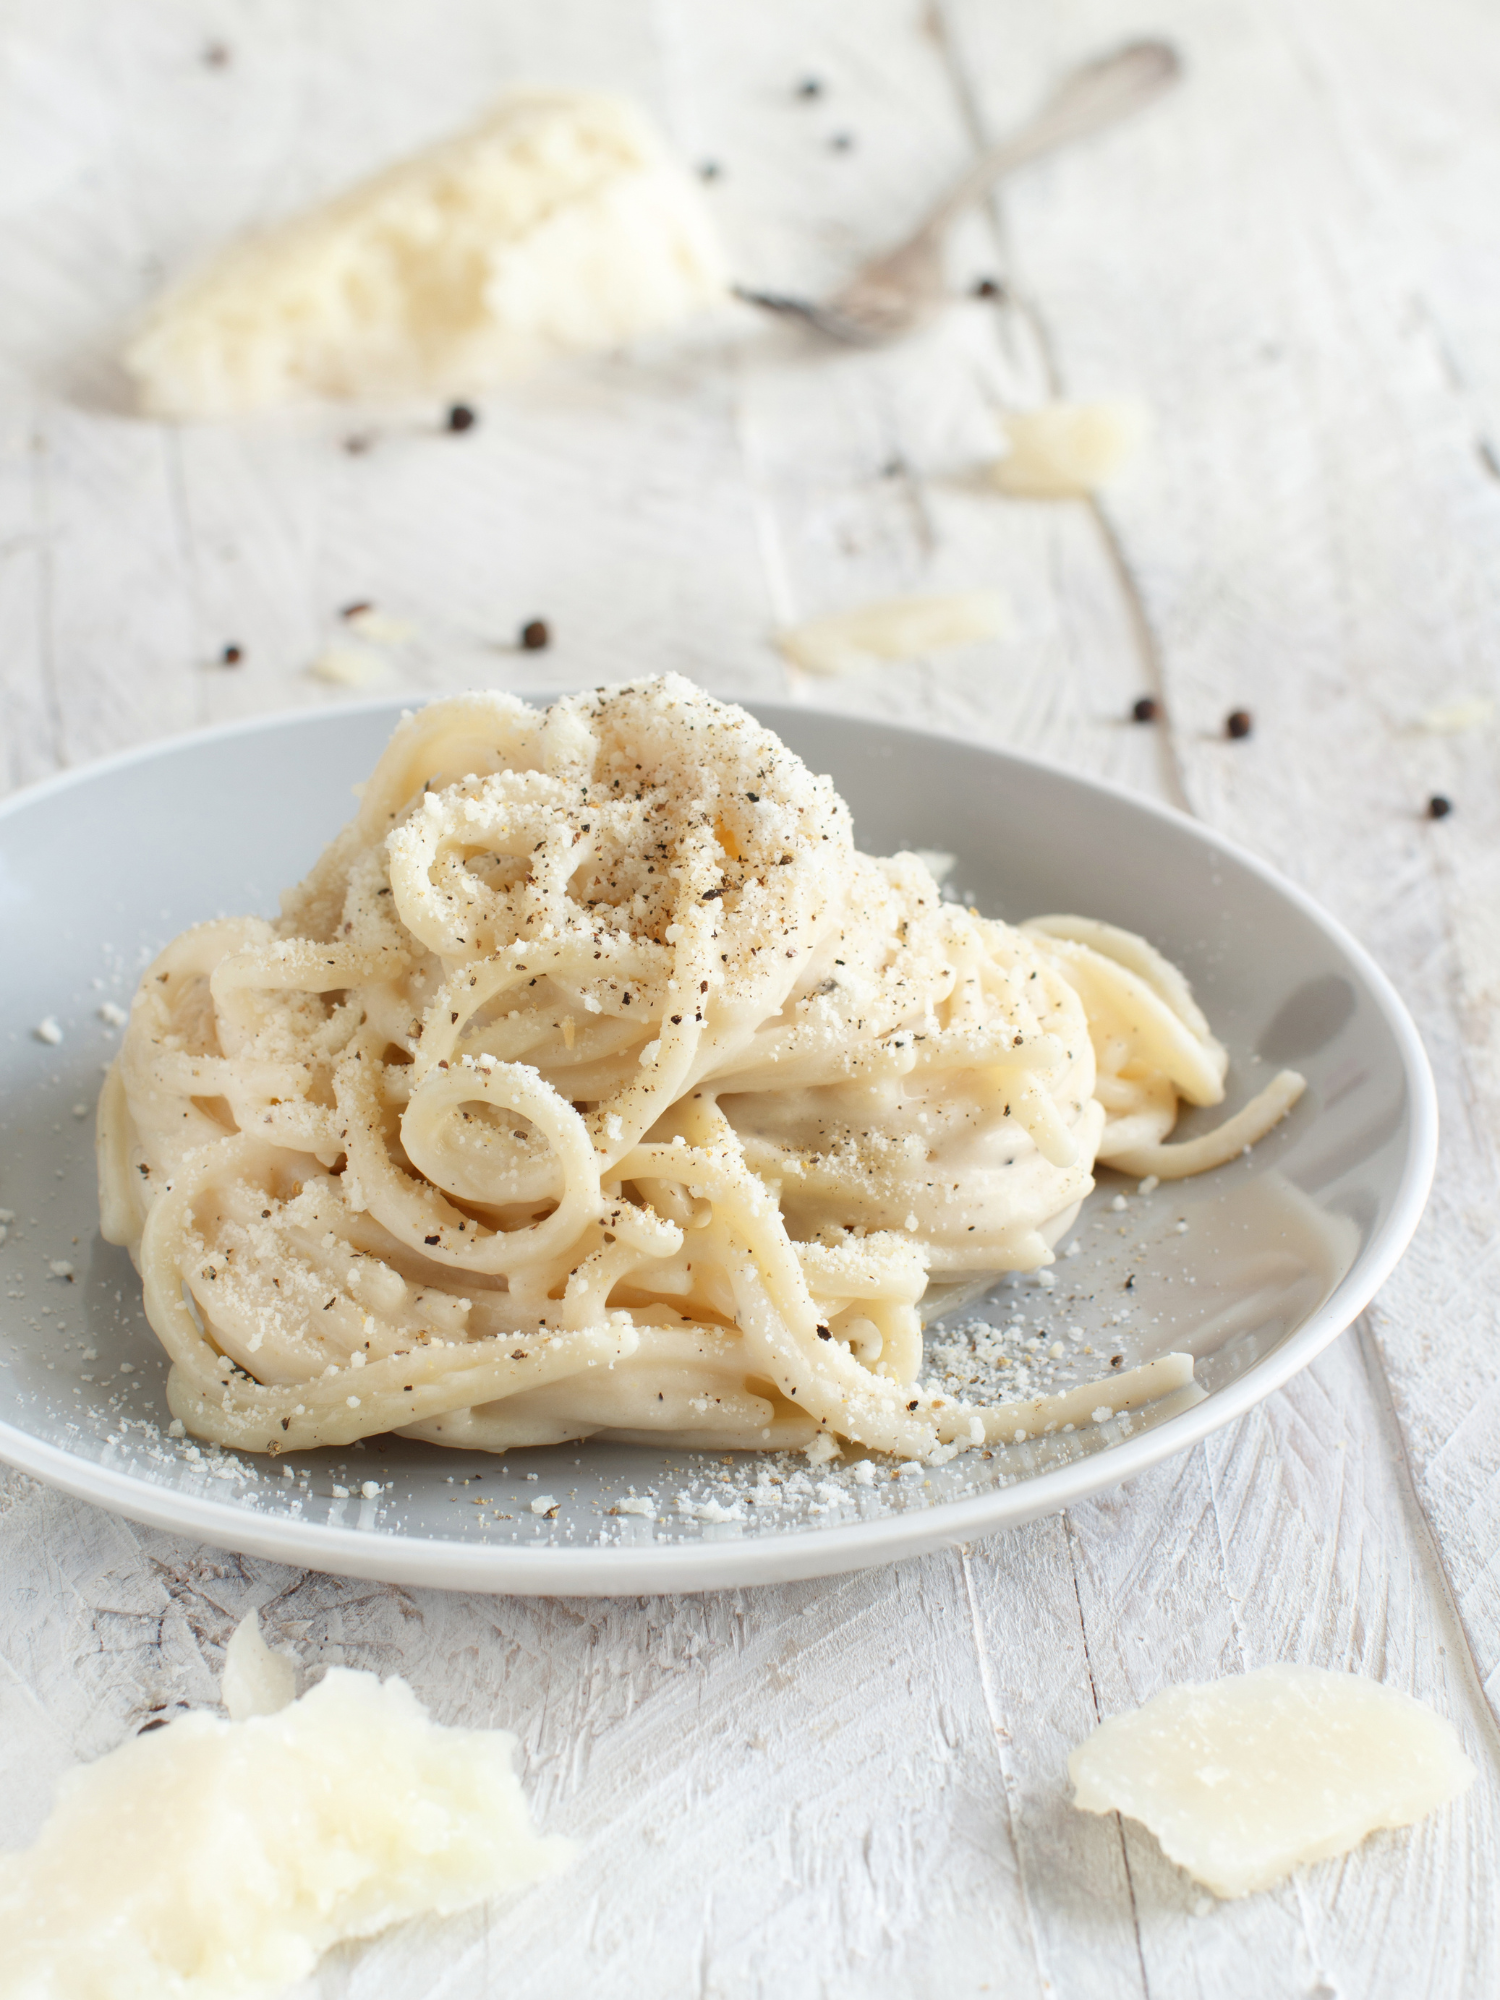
(594, 1084)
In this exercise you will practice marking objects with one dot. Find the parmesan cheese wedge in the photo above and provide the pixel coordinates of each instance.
(557, 226)
(894, 628)
(214, 1860)
(1244, 1778)
(1065, 451)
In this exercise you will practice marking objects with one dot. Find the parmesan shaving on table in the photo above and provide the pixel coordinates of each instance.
(556, 226)
(894, 628)
(256, 1681)
(1065, 451)
(349, 666)
(1455, 718)
(213, 1860)
(1244, 1778)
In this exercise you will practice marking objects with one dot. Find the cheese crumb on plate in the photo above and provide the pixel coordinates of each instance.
(1242, 1779)
(556, 226)
(214, 1860)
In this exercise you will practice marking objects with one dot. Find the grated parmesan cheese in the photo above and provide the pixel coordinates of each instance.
(556, 226)
(1244, 1778)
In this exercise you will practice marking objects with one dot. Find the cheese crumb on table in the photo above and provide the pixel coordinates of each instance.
(558, 225)
(1065, 451)
(214, 1860)
(1242, 1779)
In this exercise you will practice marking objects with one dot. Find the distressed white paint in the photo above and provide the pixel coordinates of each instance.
(857, 1787)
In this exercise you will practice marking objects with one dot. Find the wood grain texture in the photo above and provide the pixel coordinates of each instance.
(857, 1787)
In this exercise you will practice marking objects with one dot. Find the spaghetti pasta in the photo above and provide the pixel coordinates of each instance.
(594, 1084)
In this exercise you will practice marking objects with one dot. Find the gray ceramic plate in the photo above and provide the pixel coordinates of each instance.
(1253, 1269)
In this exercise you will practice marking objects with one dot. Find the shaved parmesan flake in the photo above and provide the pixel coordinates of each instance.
(558, 225)
(1244, 1778)
(1454, 717)
(378, 628)
(214, 1860)
(895, 628)
(256, 1681)
(1065, 451)
(348, 666)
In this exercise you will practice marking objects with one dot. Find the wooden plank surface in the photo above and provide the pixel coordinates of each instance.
(857, 1786)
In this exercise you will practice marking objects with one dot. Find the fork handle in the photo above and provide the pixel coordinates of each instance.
(1094, 96)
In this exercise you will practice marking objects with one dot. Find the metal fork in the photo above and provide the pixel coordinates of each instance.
(903, 289)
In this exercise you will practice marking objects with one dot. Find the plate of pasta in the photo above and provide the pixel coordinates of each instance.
(655, 1145)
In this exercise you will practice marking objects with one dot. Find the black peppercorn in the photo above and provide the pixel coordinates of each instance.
(461, 418)
(535, 636)
(1147, 709)
(1238, 723)
(989, 288)
(1438, 807)
(232, 655)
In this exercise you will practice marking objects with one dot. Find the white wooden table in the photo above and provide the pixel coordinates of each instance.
(857, 1787)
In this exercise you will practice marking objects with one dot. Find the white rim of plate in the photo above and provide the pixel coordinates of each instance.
(732, 1563)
